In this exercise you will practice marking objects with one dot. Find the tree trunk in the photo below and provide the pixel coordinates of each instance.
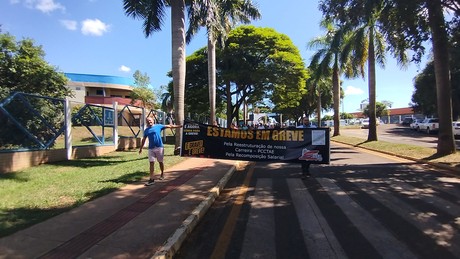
(229, 104)
(318, 107)
(178, 62)
(336, 90)
(372, 133)
(212, 76)
(446, 143)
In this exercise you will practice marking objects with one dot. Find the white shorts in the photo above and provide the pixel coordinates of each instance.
(157, 153)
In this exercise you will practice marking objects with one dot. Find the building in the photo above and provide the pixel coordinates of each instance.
(100, 89)
(396, 115)
(104, 91)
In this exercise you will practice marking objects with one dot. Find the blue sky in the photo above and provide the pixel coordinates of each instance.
(96, 37)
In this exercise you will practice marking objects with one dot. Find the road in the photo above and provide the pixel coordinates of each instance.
(362, 205)
(398, 134)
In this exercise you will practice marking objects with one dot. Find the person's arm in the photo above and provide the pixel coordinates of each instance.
(173, 126)
(142, 144)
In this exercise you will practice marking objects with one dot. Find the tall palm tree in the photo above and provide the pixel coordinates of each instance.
(219, 17)
(329, 56)
(436, 21)
(368, 44)
(152, 13)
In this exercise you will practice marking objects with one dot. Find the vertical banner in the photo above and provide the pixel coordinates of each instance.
(285, 144)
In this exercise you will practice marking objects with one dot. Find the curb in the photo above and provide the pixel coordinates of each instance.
(174, 242)
(438, 165)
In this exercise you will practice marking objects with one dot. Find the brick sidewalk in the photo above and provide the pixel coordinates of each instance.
(135, 221)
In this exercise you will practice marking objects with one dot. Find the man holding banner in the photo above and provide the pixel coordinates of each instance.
(306, 164)
(156, 149)
(290, 145)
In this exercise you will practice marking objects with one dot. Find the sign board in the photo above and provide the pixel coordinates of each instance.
(285, 145)
(108, 117)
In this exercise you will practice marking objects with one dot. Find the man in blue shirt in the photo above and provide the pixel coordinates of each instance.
(156, 148)
(306, 165)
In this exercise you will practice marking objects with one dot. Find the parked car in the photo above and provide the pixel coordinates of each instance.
(365, 123)
(414, 124)
(429, 125)
(407, 121)
(456, 128)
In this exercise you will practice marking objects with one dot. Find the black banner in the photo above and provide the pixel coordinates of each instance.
(286, 144)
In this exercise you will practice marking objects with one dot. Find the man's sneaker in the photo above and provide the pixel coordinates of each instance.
(150, 182)
(161, 178)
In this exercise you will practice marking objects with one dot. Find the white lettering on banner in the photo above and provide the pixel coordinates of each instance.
(243, 150)
(266, 151)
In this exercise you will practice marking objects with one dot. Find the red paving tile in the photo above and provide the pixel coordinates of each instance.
(82, 242)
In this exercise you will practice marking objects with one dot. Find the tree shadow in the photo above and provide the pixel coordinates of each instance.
(16, 219)
(127, 178)
(93, 162)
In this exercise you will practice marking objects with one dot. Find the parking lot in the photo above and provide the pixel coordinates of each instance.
(398, 134)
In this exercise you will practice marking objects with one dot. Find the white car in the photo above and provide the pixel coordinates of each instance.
(365, 123)
(456, 128)
(429, 125)
(414, 124)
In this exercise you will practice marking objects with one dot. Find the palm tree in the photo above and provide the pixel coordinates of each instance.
(152, 13)
(446, 143)
(368, 43)
(319, 84)
(330, 57)
(219, 17)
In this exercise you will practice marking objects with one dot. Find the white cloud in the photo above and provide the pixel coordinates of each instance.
(124, 68)
(46, 6)
(15, 1)
(69, 24)
(94, 27)
(351, 90)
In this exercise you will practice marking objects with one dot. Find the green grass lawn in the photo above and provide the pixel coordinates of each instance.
(35, 194)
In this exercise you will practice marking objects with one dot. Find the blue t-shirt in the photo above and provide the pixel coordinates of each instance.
(154, 135)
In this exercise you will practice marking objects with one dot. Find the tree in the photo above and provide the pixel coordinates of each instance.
(416, 22)
(260, 63)
(388, 104)
(219, 17)
(196, 85)
(345, 115)
(141, 80)
(320, 90)
(424, 96)
(142, 90)
(407, 24)
(152, 13)
(329, 56)
(24, 69)
(380, 110)
(366, 44)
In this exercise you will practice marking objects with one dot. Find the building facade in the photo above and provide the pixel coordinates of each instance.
(100, 89)
(396, 115)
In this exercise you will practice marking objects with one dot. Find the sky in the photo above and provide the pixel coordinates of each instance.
(96, 37)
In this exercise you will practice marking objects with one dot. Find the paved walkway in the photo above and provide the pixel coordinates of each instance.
(133, 222)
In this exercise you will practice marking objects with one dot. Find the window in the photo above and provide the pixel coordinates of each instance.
(100, 92)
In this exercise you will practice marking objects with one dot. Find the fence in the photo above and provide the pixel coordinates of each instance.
(36, 129)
